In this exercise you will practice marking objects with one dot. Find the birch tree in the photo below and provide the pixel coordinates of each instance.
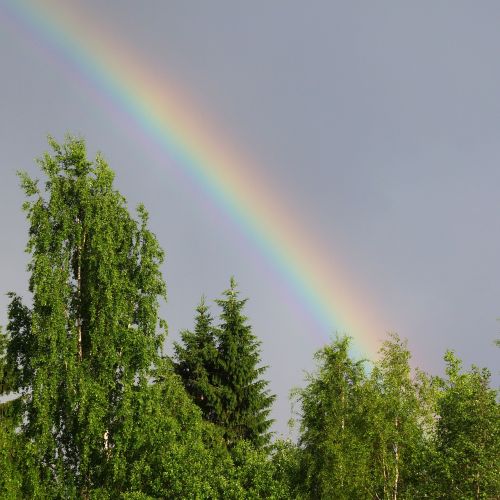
(468, 434)
(332, 451)
(396, 422)
(86, 350)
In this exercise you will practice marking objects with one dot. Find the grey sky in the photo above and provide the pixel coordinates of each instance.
(379, 121)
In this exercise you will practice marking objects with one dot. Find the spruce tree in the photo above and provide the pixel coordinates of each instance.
(196, 361)
(220, 370)
(243, 402)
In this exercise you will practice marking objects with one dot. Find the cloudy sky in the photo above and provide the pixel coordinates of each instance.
(377, 122)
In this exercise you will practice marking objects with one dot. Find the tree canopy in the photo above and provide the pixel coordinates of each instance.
(92, 407)
(220, 369)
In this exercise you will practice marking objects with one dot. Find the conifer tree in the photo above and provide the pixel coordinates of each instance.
(220, 370)
(196, 360)
(243, 402)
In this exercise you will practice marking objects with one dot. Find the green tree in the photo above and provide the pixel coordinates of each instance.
(243, 402)
(10, 478)
(253, 474)
(196, 360)
(4, 384)
(257, 475)
(285, 466)
(90, 338)
(7, 377)
(332, 455)
(468, 434)
(397, 414)
(168, 450)
(10, 474)
(101, 413)
(220, 370)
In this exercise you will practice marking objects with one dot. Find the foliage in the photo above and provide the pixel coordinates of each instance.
(332, 455)
(96, 411)
(196, 362)
(285, 464)
(84, 355)
(12, 443)
(243, 402)
(220, 369)
(10, 477)
(396, 414)
(468, 434)
(169, 451)
(256, 475)
(86, 346)
(395, 433)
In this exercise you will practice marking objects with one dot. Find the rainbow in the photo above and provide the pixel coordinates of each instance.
(161, 114)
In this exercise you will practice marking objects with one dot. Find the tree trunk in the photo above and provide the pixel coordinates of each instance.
(79, 320)
(396, 459)
(396, 476)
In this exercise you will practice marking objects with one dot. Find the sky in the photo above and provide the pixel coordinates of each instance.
(374, 127)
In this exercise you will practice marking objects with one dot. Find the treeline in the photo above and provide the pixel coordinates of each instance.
(97, 410)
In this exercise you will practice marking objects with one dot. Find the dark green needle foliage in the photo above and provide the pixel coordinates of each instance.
(197, 360)
(243, 401)
(219, 367)
(220, 370)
